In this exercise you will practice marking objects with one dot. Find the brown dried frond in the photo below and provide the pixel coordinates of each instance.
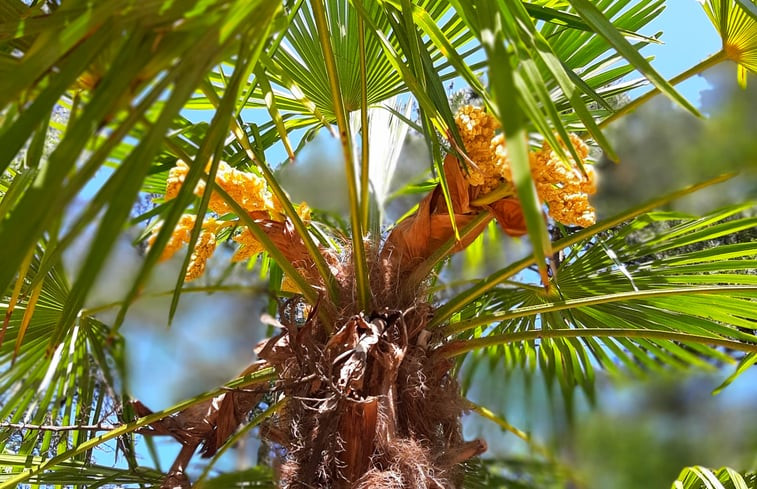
(417, 237)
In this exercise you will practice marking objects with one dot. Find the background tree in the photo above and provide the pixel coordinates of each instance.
(358, 387)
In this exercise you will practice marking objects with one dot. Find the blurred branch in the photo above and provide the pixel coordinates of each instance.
(533, 444)
(209, 289)
(694, 70)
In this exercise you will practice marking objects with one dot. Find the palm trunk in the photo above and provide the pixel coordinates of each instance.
(376, 409)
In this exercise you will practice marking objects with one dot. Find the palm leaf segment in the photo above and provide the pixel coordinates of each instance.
(699, 477)
(298, 79)
(736, 22)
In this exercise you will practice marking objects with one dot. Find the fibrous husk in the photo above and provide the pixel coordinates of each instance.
(368, 407)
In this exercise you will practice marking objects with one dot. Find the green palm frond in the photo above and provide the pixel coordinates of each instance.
(736, 22)
(44, 464)
(79, 474)
(470, 294)
(111, 91)
(74, 380)
(513, 472)
(698, 477)
(636, 298)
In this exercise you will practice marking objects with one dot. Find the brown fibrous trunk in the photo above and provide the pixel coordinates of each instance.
(368, 406)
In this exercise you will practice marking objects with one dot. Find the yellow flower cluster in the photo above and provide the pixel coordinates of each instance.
(304, 212)
(206, 245)
(563, 187)
(247, 189)
(249, 246)
(180, 235)
(560, 185)
(477, 129)
(203, 250)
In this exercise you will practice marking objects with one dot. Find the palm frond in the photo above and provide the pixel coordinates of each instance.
(73, 382)
(636, 296)
(513, 472)
(112, 90)
(78, 474)
(698, 477)
(736, 22)
(465, 297)
(45, 464)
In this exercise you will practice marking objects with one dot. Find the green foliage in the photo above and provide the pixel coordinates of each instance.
(641, 292)
(703, 478)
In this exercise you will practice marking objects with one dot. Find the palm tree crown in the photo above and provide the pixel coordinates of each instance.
(360, 384)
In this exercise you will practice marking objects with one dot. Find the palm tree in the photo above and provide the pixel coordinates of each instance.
(359, 385)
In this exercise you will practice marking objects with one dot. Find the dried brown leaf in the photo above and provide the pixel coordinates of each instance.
(509, 215)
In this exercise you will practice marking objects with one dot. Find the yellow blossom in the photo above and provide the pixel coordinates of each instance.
(563, 187)
(204, 248)
(249, 246)
(180, 235)
(304, 212)
(560, 184)
(247, 189)
(175, 180)
(477, 129)
(289, 285)
(206, 245)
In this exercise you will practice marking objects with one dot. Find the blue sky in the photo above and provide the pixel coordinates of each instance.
(689, 38)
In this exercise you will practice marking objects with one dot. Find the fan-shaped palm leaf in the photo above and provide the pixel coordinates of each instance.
(79, 474)
(736, 22)
(658, 272)
(69, 381)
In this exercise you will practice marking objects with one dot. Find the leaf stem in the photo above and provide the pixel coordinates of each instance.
(536, 447)
(44, 427)
(462, 347)
(358, 251)
(590, 301)
(364, 168)
(210, 288)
